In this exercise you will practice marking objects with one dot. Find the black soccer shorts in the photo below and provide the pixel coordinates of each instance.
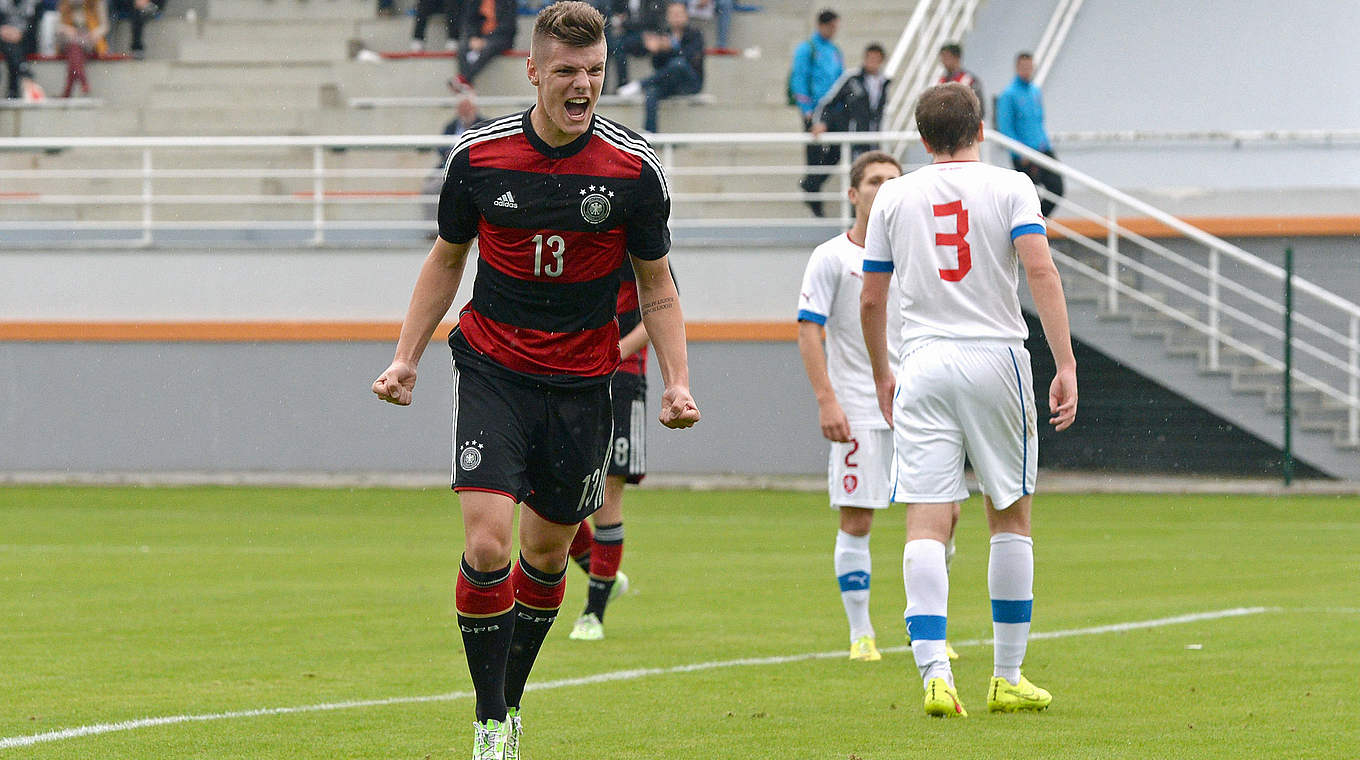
(540, 445)
(628, 455)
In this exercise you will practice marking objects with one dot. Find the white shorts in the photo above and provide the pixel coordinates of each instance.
(955, 397)
(859, 473)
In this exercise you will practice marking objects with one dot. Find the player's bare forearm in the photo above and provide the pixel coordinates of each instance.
(873, 317)
(433, 294)
(1045, 285)
(634, 341)
(665, 324)
(830, 416)
(431, 298)
(661, 317)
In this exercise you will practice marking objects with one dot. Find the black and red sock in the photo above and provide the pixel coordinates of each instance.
(538, 596)
(605, 557)
(580, 546)
(486, 616)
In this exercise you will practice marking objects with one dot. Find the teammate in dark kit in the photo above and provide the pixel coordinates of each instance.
(557, 199)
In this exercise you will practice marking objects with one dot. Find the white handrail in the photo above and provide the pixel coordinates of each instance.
(1064, 15)
(1243, 136)
(1189, 231)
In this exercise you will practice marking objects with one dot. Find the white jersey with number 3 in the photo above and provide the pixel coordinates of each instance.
(946, 231)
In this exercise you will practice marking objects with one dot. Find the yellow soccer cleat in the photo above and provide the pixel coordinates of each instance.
(942, 701)
(1003, 696)
(949, 650)
(865, 650)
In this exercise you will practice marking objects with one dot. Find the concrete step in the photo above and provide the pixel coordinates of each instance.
(281, 96)
(208, 50)
(290, 10)
(257, 76)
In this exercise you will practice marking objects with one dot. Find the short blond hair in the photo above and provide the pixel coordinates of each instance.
(571, 22)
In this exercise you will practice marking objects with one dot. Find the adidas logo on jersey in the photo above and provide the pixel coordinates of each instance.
(507, 200)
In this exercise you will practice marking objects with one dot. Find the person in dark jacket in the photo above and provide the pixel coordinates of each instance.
(626, 31)
(855, 102)
(16, 16)
(677, 60)
(491, 31)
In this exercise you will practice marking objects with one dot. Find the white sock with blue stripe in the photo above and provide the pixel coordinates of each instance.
(1010, 580)
(927, 581)
(853, 567)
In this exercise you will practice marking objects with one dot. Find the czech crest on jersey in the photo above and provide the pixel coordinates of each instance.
(595, 207)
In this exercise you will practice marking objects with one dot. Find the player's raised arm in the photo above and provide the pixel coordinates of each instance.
(660, 305)
(434, 291)
(1045, 285)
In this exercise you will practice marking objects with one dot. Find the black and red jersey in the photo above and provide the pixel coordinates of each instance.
(629, 315)
(553, 227)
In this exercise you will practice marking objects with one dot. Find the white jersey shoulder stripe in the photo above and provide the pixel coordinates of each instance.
(614, 135)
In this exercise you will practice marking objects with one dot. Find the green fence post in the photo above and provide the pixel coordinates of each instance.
(1288, 366)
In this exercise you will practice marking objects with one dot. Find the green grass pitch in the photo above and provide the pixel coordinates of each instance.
(119, 604)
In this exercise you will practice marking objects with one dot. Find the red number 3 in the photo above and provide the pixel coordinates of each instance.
(955, 239)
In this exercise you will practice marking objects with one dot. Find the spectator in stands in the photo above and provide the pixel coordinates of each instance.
(387, 7)
(491, 31)
(721, 10)
(626, 33)
(455, 13)
(677, 62)
(951, 58)
(1020, 116)
(466, 116)
(137, 12)
(817, 65)
(855, 103)
(83, 26)
(16, 16)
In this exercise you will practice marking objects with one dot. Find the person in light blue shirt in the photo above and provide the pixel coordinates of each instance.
(1020, 116)
(817, 65)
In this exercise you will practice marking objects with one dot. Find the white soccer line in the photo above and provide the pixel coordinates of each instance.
(617, 675)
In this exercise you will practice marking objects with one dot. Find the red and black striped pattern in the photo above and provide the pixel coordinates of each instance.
(553, 227)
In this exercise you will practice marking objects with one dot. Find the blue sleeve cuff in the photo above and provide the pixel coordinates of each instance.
(874, 265)
(811, 316)
(1028, 229)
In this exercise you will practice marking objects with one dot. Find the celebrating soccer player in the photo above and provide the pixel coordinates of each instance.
(859, 473)
(952, 232)
(554, 196)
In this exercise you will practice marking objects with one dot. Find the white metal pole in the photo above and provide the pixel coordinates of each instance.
(1355, 381)
(148, 199)
(1213, 309)
(1112, 264)
(318, 195)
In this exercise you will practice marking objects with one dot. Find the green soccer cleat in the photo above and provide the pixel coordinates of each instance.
(620, 586)
(863, 649)
(587, 628)
(488, 739)
(512, 736)
(1003, 696)
(942, 701)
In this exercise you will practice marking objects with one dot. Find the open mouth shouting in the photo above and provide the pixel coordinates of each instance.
(577, 108)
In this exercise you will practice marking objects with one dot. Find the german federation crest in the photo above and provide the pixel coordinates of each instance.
(595, 206)
(471, 456)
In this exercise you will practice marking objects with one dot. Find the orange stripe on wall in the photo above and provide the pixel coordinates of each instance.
(314, 332)
(1226, 226)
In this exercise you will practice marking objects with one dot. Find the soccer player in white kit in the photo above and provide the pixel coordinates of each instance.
(952, 232)
(859, 470)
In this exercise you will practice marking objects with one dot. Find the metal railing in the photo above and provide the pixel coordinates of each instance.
(1221, 295)
(140, 191)
(914, 63)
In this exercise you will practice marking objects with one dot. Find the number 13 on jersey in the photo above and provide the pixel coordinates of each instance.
(955, 239)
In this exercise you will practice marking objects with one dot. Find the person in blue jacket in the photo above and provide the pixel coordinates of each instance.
(1020, 116)
(817, 65)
